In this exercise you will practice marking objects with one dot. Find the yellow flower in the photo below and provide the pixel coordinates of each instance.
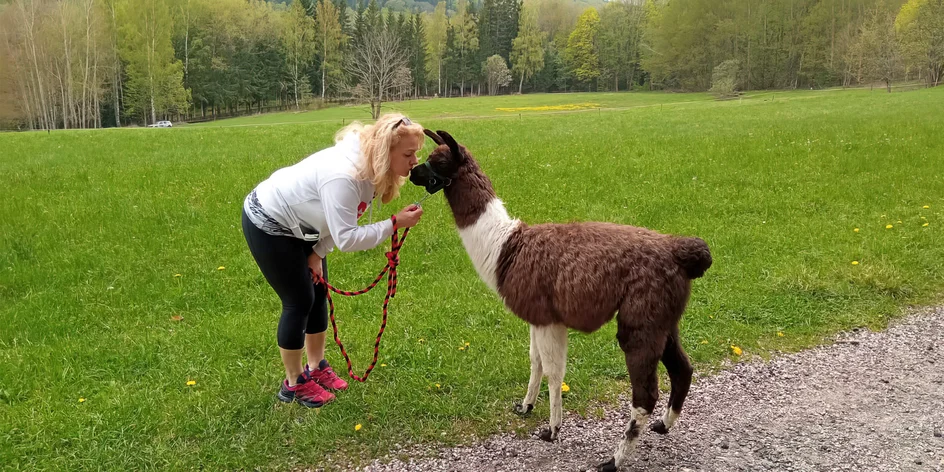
(177, 275)
(899, 221)
(81, 400)
(466, 344)
(383, 365)
(889, 226)
(855, 262)
(926, 207)
(437, 386)
(780, 334)
(220, 268)
(736, 350)
(856, 230)
(704, 341)
(191, 383)
(924, 224)
(462, 348)
(357, 427)
(565, 387)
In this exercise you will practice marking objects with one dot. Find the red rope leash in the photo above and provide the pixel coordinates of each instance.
(393, 259)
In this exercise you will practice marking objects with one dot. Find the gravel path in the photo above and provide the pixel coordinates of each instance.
(869, 402)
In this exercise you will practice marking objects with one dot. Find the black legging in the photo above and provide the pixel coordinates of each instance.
(284, 263)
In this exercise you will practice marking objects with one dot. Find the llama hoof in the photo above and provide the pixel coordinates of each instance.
(548, 435)
(522, 410)
(659, 427)
(608, 466)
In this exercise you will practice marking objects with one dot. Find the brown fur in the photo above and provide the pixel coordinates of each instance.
(581, 275)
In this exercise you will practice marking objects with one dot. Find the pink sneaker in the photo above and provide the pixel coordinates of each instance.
(306, 393)
(326, 377)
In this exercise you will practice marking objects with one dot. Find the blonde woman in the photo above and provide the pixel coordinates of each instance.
(293, 219)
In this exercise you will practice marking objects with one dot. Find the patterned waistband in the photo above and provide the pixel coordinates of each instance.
(262, 220)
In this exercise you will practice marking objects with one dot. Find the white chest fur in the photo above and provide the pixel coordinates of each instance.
(484, 240)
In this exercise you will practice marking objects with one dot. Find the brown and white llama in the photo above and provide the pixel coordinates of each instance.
(577, 276)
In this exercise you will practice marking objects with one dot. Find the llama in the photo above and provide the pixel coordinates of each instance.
(578, 276)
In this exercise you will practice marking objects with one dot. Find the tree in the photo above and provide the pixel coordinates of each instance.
(877, 48)
(581, 49)
(527, 50)
(724, 78)
(298, 39)
(436, 30)
(330, 39)
(418, 51)
(378, 67)
(618, 41)
(155, 77)
(496, 73)
(466, 42)
(920, 26)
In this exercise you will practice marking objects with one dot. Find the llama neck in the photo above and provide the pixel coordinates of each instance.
(482, 221)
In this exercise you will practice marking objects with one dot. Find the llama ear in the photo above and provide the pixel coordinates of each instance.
(453, 145)
(435, 137)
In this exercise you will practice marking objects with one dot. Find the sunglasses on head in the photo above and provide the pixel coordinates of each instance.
(403, 121)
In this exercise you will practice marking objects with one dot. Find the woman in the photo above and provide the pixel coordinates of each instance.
(293, 219)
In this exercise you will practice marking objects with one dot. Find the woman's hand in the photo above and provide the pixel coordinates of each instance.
(314, 263)
(409, 216)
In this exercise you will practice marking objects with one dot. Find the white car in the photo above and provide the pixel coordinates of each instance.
(161, 124)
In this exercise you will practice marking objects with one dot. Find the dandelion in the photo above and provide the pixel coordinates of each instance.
(438, 386)
(926, 207)
(704, 341)
(925, 224)
(736, 350)
(357, 427)
(564, 387)
(462, 348)
(191, 383)
(177, 275)
(855, 262)
(220, 268)
(856, 230)
(889, 226)
(780, 334)
(466, 344)
(383, 365)
(81, 400)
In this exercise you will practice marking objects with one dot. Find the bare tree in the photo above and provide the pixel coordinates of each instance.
(375, 65)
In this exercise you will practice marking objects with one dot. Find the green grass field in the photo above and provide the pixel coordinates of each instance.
(97, 225)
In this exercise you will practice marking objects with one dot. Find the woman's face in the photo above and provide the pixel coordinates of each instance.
(403, 155)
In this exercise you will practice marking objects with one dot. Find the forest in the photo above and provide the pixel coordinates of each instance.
(105, 63)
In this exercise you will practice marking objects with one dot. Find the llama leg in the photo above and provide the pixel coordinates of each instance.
(642, 351)
(552, 346)
(680, 373)
(534, 384)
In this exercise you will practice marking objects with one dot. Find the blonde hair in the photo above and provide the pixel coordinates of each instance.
(376, 140)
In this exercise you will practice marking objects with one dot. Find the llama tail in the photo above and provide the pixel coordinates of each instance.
(693, 256)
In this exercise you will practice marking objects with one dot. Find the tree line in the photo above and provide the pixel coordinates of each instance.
(96, 63)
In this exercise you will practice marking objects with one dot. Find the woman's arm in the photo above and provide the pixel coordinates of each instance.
(339, 199)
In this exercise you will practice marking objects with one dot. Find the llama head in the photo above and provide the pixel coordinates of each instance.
(443, 164)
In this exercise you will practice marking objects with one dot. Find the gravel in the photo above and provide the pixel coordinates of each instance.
(871, 401)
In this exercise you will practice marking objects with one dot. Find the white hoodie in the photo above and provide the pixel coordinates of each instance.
(321, 194)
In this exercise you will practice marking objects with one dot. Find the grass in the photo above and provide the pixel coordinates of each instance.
(97, 225)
